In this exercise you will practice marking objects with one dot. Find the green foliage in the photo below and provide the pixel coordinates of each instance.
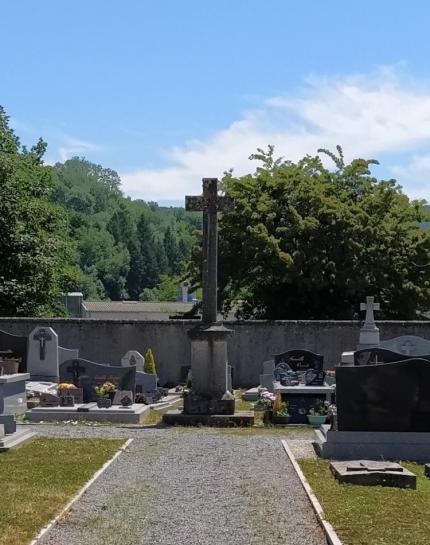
(149, 366)
(121, 247)
(33, 242)
(306, 242)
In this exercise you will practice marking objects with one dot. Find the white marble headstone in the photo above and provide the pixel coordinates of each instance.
(369, 333)
(42, 359)
(133, 357)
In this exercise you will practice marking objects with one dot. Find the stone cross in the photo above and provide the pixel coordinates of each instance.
(42, 336)
(76, 369)
(210, 204)
(370, 306)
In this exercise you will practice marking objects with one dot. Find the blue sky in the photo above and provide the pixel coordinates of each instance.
(167, 92)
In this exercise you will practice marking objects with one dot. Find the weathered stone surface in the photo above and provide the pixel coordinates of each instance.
(369, 333)
(373, 473)
(133, 357)
(385, 397)
(427, 470)
(13, 398)
(239, 418)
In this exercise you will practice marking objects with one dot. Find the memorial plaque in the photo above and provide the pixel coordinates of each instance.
(386, 397)
(49, 400)
(67, 401)
(120, 395)
(87, 375)
(77, 393)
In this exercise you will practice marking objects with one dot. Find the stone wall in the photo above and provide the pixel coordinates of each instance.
(106, 341)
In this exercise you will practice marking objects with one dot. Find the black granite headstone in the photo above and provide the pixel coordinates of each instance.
(87, 375)
(16, 346)
(392, 397)
(373, 356)
(303, 361)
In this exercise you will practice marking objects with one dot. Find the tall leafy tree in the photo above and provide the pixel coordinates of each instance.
(33, 241)
(307, 242)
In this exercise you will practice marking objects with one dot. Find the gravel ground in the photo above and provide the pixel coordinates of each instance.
(193, 487)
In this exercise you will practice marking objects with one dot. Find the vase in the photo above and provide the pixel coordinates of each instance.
(104, 403)
(317, 420)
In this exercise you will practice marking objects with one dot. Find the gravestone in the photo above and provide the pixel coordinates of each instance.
(410, 345)
(307, 364)
(427, 470)
(133, 357)
(369, 333)
(15, 347)
(389, 397)
(373, 356)
(87, 375)
(146, 383)
(373, 473)
(42, 361)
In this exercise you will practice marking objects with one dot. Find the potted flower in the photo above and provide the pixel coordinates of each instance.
(110, 389)
(264, 401)
(103, 401)
(280, 411)
(318, 413)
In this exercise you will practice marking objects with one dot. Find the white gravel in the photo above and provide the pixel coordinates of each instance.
(192, 487)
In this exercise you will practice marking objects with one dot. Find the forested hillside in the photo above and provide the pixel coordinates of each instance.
(122, 248)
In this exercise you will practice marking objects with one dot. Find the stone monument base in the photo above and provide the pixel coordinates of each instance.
(200, 404)
(238, 419)
(371, 473)
(372, 445)
(13, 397)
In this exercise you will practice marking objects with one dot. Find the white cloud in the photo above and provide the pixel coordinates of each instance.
(415, 176)
(368, 115)
(71, 147)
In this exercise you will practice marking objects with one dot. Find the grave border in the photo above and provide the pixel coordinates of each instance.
(330, 533)
(80, 493)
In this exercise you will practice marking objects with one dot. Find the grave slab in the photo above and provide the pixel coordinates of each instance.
(353, 445)
(373, 473)
(16, 439)
(301, 399)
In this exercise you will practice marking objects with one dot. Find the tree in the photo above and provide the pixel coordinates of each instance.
(149, 366)
(304, 242)
(33, 234)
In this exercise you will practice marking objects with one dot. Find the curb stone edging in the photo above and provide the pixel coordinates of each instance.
(81, 492)
(331, 536)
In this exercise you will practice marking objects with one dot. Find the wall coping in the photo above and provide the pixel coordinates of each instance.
(355, 323)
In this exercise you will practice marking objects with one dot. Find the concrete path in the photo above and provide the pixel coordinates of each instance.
(192, 487)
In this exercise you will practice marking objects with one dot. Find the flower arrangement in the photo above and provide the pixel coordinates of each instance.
(265, 400)
(283, 409)
(66, 386)
(320, 408)
(105, 388)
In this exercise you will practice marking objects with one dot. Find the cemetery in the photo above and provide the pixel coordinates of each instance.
(367, 411)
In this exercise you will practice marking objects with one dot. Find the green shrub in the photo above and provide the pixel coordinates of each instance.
(150, 363)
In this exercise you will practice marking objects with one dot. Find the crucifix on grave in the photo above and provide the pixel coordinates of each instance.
(210, 204)
(369, 333)
(210, 393)
(42, 336)
(76, 369)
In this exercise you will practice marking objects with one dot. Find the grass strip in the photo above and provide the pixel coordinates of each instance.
(38, 479)
(372, 515)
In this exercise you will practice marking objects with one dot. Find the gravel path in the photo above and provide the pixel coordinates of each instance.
(190, 487)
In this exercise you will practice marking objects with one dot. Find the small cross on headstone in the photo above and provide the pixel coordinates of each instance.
(370, 306)
(76, 369)
(42, 336)
(210, 204)
(407, 348)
